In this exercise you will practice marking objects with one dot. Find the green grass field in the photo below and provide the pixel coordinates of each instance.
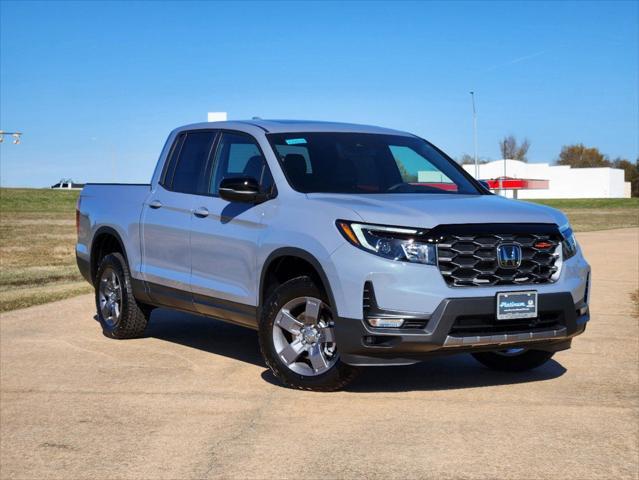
(37, 238)
(592, 203)
(587, 214)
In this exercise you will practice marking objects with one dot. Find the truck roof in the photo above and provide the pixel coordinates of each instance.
(292, 126)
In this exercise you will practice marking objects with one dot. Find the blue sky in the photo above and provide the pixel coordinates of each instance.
(96, 87)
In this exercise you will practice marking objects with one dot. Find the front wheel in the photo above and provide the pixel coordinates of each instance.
(513, 359)
(297, 338)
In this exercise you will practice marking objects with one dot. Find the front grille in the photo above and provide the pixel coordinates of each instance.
(367, 297)
(470, 259)
(471, 325)
(414, 323)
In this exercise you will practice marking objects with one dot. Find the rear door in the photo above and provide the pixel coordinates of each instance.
(225, 235)
(167, 217)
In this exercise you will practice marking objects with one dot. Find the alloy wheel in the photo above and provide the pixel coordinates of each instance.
(304, 336)
(110, 297)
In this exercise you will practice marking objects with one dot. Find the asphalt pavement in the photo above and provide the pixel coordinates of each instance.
(194, 400)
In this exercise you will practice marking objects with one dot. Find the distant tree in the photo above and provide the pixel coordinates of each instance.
(466, 159)
(580, 156)
(512, 151)
(406, 175)
(631, 173)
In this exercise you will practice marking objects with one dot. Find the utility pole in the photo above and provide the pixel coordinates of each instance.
(472, 96)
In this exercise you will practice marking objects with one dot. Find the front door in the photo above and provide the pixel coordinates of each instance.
(225, 235)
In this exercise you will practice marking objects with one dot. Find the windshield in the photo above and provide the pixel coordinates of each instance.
(366, 163)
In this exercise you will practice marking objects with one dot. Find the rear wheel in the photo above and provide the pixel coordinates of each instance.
(513, 359)
(297, 338)
(118, 311)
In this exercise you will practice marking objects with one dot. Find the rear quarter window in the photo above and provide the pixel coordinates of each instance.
(171, 160)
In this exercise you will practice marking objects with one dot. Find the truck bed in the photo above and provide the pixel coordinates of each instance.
(115, 207)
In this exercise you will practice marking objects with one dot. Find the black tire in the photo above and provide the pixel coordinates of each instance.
(133, 317)
(526, 360)
(337, 377)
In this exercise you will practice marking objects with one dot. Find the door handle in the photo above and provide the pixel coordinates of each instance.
(201, 212)
(155, 204)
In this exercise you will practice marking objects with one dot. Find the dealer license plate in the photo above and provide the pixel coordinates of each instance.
(513, 305)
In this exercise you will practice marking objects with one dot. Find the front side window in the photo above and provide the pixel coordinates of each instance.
(238, 155)
(190, 169)
(366, 163)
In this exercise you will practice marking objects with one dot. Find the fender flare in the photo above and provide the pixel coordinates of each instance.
(304, 255)
(108, 231)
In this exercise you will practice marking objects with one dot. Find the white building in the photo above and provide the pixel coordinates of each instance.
(563, 181)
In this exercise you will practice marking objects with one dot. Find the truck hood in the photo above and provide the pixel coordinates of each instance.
(430, 210)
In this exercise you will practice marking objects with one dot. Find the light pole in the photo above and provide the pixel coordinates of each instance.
(472, 96)
(15, 135)
(501, 181)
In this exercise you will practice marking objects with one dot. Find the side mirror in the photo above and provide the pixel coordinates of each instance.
(241, 189)
(485, 184)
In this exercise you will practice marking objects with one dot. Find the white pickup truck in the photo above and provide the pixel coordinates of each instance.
(343, 245)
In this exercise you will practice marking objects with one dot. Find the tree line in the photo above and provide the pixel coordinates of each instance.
(575, 156)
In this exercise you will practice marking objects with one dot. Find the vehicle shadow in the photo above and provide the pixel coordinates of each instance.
(205, 334)
(448, 372)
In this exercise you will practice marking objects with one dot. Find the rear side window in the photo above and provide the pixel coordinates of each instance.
(190, 169)
(169, 168)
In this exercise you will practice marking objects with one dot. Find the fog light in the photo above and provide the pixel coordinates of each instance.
(386, 322)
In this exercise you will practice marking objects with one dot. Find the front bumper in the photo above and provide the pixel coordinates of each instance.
(421, 288)
(443, 331)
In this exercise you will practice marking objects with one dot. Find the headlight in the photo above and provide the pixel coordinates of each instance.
(395, 243)
(568, 243)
